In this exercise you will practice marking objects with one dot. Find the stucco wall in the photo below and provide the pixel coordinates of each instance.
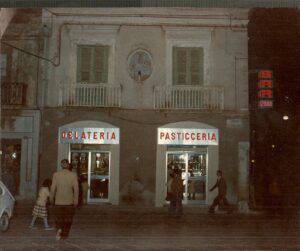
(138, 142)
(225, 53)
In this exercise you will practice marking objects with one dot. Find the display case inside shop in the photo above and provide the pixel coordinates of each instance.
(100, 164)
(79, 163)
(193, 170)
(99, 175)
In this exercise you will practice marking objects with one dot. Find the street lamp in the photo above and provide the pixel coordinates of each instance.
(285, 117)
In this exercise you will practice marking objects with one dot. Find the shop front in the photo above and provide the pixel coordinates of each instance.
(19, 152)
(93, 151)
(193, 148)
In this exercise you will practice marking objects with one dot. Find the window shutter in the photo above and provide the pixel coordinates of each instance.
(179, 66)
(85, 56)
(196, 66)
(101, 64)
(187, 66)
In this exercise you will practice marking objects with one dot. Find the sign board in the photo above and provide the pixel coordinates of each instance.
(265, 89)
(183, 136)
(265, 103)
(268, 83)
(265, 74)
(265, 93)
(89, 135)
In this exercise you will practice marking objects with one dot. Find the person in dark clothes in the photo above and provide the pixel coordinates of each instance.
(221, 197)
(64, 195)
(176, 193)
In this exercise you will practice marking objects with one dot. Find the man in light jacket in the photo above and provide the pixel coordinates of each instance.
(64, 195)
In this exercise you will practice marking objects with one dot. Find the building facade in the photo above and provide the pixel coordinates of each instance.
(20, 108)
(129, 94)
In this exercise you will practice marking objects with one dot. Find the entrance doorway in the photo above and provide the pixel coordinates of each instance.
(11, 164)
(92, 166)
(193, 165)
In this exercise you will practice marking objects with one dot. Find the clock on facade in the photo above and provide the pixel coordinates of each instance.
(140, 65)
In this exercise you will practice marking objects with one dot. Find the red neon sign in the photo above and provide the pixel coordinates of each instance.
(265, 94)
(265, 103)
(265, 74)
(265, 84)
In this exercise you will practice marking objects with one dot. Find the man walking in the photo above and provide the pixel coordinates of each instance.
(222, 189)
(176, 192)
(64, 195)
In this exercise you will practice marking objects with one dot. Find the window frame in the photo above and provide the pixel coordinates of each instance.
(92, 70)
(3, 64)
(193, 37)
(188, 66)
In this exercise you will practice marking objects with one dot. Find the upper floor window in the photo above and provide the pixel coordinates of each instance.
(92, 66)
(188, 66)
(3, 64)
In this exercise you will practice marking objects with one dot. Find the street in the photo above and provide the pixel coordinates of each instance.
(123, 228)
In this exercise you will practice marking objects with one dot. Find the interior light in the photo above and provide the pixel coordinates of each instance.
(285, 117)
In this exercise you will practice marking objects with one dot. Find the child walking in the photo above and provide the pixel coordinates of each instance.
(40, 208)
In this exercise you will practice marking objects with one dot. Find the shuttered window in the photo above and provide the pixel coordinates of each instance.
(92, 64)
(187, 66)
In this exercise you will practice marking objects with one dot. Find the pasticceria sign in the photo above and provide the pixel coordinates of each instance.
(183, 136)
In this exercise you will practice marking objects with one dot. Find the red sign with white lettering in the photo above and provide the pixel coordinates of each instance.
(265, 89)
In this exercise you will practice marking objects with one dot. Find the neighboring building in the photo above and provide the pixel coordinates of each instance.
(20, 113)
(274, 44)
(128, 94)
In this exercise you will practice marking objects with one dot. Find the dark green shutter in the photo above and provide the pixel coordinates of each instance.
(179, 66)
(187, 66)
(92, 64)
(84, 62)
(196, 66)
(101, 64)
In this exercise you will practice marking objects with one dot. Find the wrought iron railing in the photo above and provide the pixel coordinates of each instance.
(92, 95)
(189, 97)
(13, 94)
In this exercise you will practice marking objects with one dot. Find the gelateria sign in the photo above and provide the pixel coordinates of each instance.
(89, 135)
(182, 136)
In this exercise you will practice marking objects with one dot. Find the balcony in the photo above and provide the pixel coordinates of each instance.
(189, 97)
(13, 94)
(90, 95)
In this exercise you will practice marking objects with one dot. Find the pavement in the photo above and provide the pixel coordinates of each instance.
(106, 227)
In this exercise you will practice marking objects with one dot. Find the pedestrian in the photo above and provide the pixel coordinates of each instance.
(64, 195)
(84, 188)
(175, 209)
(191, 187)
(169, 183)
(221, 197)
(40, 208)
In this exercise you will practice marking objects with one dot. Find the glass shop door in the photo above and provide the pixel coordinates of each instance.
(99, 177)
(92, 168)
(193, 168)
